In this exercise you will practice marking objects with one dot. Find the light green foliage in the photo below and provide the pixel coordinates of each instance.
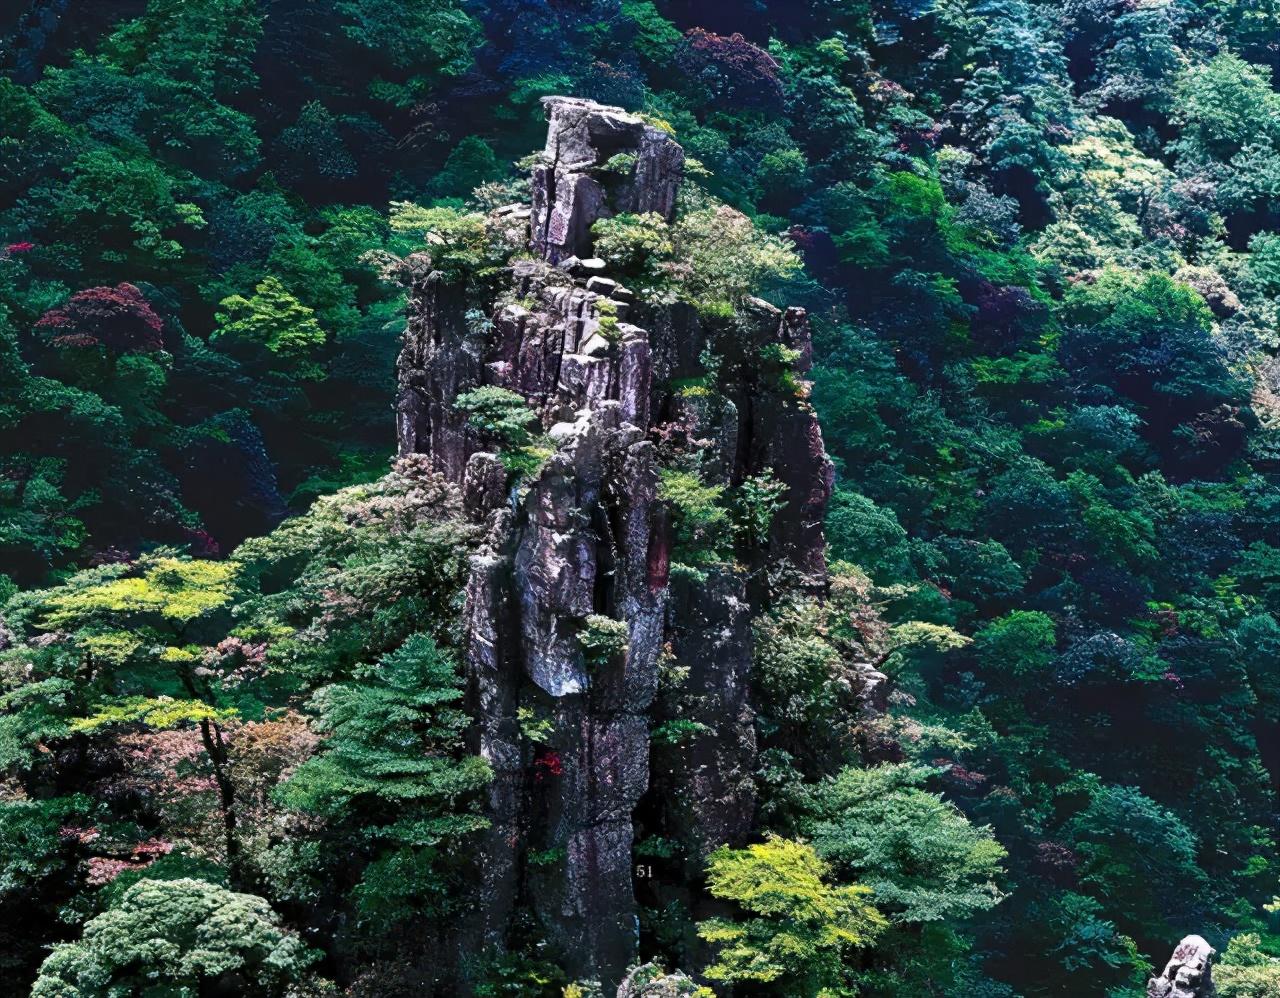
(919, 854)
(176, 937)
(168, 590)
(723, 258)
(499, 414)
(759, 499)
(916, 642)
(634, 244)
(699, 515)
(603, 639)
(797, 927)
(1125, 304)
(807, 659)
(607, 311)
(1245, 970)
(274, 320)
(678, 731)
(533, 726)
(621, 163)
(1102, 189)
(1021, 642)
(158, 713)
(458, 242)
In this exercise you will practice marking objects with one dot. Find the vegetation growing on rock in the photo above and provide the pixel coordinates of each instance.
(835, 525)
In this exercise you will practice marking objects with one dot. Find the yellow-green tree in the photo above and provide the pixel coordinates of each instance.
(797, 924)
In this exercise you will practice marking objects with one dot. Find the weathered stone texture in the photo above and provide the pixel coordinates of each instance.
(571, 190)
(1188, 974)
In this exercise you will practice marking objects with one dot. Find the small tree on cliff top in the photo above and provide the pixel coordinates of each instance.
(459, 242)
(723, 257)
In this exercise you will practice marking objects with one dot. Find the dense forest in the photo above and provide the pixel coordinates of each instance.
(422, 572)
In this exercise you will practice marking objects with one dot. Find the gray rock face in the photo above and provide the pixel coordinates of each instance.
(582, 546)
(1189, 972)
(440, 359)
(484, 486)
(599, 161)
(708, 779)
(493, 681)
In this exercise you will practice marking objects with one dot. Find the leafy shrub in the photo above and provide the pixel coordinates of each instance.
(700, 518)
(919, 854)
(1246, 970)
(275, 321)
(181, 935)
(634, 244)
(603, 639)
(499, 415)
(798, 926)
(723, 258)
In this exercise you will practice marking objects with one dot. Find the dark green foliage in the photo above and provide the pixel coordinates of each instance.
(392, 774)
(919, 855)
(499, 415)
(1041, 249)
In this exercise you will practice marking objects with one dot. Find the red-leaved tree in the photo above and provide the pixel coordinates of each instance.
(118, 319)
(732, 68)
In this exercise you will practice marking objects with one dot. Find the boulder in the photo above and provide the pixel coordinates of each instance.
(1189, 972)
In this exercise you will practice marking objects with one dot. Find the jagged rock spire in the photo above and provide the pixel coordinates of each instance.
(585, 543)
